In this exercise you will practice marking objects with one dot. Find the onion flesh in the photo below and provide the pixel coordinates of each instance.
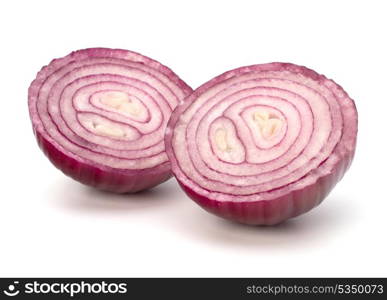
(263, 143)
(100, 116)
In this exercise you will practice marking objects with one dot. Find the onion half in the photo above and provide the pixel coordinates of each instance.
(263, 143)
(100, 116)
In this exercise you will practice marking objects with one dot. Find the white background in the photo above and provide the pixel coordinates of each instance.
(52, 226)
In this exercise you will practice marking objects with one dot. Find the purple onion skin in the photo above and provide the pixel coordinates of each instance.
(297, 200)
(107, 180)
(90, 173)
(274, 211)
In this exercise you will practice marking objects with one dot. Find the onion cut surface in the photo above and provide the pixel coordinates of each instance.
(100, 116)
(263, 143)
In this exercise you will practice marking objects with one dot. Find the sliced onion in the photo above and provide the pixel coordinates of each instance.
(263, 143)
(100, 116)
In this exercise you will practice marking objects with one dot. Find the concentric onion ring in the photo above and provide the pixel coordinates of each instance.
(100, 116)
(263, 143)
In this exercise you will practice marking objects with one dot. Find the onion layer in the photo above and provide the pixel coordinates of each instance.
(263, 143)
(100, 116)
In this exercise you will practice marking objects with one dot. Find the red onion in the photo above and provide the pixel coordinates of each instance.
(100, 116)
(263, 143)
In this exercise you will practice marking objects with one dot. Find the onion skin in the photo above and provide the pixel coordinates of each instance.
(274, 206)
(274, 211)
(81, 168)
(103, 178)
